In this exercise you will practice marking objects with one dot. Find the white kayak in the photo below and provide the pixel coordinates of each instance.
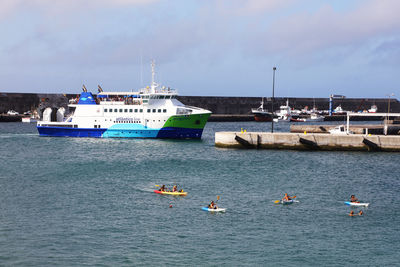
(288, 202)
(214, 210)
(357, 204)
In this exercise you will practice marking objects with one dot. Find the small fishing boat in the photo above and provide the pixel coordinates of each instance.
(170, 193)
(292, 119)
(373, 109)
(261, 114)
(284, 113)
(316, 117)
(340, 130)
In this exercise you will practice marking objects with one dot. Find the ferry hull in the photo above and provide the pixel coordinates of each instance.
(69, 132)
(164, 133)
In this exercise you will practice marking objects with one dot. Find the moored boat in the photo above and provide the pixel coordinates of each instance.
(297, 119)
(152, 112)
(316, 117)
(261, 114)
(284, 113)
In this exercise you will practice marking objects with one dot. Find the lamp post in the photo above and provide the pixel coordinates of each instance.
(388, 111)
(272, 100)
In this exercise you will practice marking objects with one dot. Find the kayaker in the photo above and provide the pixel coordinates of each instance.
(360, 213)
(212, 205)
(162, 188)
(353, 199)
(175, 189)
(352, 213)
(286, 197)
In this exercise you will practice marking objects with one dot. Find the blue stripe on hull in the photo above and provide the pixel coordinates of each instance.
(131, 133)
(165, 133)
(70, 132)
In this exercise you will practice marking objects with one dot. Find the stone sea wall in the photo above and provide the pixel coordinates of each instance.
(22, 102)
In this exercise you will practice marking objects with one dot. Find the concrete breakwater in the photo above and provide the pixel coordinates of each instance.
(298, 141)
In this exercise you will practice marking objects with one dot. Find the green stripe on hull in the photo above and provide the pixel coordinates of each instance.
(193, 121)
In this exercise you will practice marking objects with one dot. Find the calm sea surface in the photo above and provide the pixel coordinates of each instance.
(84, 202)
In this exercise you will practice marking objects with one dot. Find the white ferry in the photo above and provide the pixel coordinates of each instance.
(152, 112)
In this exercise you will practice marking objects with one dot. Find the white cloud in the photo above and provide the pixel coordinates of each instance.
(12, 7)
(326, 28)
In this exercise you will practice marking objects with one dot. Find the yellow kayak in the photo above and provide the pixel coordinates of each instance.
(170, 193)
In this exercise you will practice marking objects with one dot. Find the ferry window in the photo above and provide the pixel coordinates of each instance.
(161, 97)
(145, 101)
(110, 110)
(140, 110)
(164, 110)
(115, 110)
(120, 110)
(135, 110)
(130, 110)
(159, 111)
(154, 110)
(125, 110)
(105, 110)
(167, 97)
(149, 110)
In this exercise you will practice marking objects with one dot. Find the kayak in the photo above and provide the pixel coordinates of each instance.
(288, 202)
(215, 210)
(170, 193)
(356, 204)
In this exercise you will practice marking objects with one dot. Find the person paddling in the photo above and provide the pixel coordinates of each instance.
(286, 197)
(162, 188)
(212, 205)
(352, 213)
(175, 189)
(354, 199)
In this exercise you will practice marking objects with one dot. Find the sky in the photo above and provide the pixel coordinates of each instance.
(202, 47)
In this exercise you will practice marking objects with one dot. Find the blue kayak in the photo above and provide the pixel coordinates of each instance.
(357, 204)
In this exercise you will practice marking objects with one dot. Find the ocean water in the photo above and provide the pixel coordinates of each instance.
(90, 202)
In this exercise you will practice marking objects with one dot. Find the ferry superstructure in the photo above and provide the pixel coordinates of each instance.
(152, 112)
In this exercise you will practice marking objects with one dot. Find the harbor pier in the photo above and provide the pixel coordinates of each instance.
(305, 141)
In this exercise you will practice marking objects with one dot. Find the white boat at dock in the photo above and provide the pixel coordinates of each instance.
(314, 117)
(284, 112)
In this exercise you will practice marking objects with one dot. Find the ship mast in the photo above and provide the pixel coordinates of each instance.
(153, 73)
